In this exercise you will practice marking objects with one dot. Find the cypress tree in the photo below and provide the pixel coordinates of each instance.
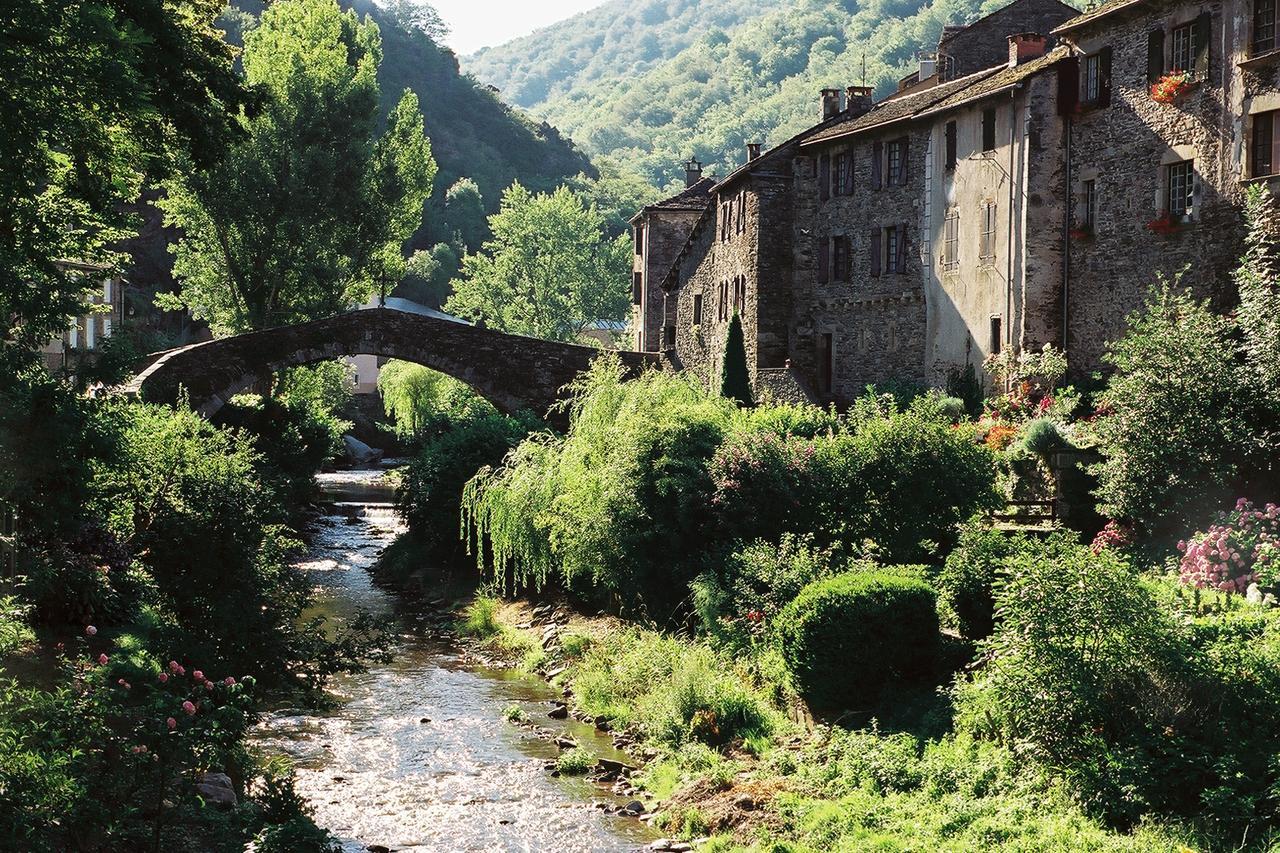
(735, 381)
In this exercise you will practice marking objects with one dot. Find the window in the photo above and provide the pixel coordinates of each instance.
(989, 129)
(740, 295)
(722, 302)
(893, 254)
(740, 223)
(997, 336)
(951, 240)
(1091, 87)
(1181, 190)
(1265, 159)
(1182, 53)
(824, 363)
(987, 244)
(824, 177)
(950, 134)
(1089, 205)
(1264, 26)
(897, 162)
(637, 287)
(843, 174)
(639, 239)
(841, 251)
(697, 309)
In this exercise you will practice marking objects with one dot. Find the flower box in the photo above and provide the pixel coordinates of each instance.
(1164, 224)
(1170, 87)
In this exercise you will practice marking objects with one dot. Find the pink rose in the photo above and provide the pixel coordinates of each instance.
(90, 630)
(188, 707)
(228, 681)
(198, 675)
(171, 723)
(102, 659)
(164, 676)
(208, 685)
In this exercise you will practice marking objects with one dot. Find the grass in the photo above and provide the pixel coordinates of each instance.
(514, 714)
(479, 619)
(575, 762)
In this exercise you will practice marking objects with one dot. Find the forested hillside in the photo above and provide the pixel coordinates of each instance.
(756, 82)
(473, 133)
(619, 39)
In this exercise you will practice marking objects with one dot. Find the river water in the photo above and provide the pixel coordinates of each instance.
(417, 754)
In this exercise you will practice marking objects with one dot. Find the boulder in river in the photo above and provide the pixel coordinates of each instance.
(359, 453)
(216, 788)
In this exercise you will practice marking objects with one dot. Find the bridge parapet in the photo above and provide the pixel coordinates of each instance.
(511, 371)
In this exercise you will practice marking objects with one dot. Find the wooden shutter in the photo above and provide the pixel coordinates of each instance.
(824, 260)
(1104, 77)
(950, 134)
(903, 175)
(1155, 55)
(1202, 45)
(1275, 142)
(875, 251)
(900, 263)
(877, 164)
(824, 177)
(1068, 85)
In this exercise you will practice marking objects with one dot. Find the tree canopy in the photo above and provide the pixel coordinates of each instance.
(304, 216)
(549, 271)
(96, 96)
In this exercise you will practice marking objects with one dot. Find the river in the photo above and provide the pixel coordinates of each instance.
(418, 754)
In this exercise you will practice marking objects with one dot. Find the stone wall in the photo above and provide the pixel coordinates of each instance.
(665, 233)
(1125, 148)
(876, 322)
(983, 44)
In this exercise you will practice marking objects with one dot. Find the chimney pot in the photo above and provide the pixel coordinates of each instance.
(1024, 47)
(692, 172)
(830, 103)
(858, 99)
(753, 151)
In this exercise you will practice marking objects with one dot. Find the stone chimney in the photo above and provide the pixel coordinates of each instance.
(857, 99)
(753, 151)
(1026, 46)
(692, 172)
(830, 103)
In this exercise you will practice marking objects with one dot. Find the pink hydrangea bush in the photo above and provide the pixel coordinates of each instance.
(1242, 547)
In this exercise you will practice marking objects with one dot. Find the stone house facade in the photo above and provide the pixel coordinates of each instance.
(83, 339)
(1012, 206)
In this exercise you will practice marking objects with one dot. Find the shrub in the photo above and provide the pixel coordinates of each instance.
(1042, 437)
(1241, 547)
(845, 637)
(479, 619)
(575, 762)
(423, 401)
(968, 578)
(735, 381)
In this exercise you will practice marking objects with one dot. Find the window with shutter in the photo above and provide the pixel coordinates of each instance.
(950, 135)
(1182, 49)
(1180, 190)
(997, 336)
(989, 130)
(824, 177)
(951, 240)
(844, 173)
(892, 250)
(823, 250)
(1155, 55)
(1265, 159)
(987, 239)
(1201, 44)
(897, 163)
(1104, 77)
(840, 258)
(639, 239)
(697, 309)
(637, 287)
(900, 249)
(876, 237)
(1264, 26)
(1091, 85)
(877, 162)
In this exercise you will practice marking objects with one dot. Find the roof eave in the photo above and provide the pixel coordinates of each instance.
(1087, 20)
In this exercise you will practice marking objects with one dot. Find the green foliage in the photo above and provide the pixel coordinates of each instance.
(15, 632)
(97, 94)
(464, 214)
(735, 381)
(618, 191)
(422, 400)
(299, 219)
(575, 762)
(1258, 281)
(1186, 424)
(548, 272)
(1041, 437)
(430, 493)
(967, 581)
(479, 618)
(427, 275)
(676, 692)
(845, 637)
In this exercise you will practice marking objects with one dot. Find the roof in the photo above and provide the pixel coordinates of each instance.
(1004, 78)
(1095, 14)
(900, 108)
(694, 197)
(1007, 8)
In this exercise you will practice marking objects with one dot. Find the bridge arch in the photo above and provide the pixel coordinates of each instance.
(511, 371)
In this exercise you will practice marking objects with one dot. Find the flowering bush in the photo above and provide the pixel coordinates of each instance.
(1114, 536)
(1000, 436)
(1167, 89)
(1242, 547)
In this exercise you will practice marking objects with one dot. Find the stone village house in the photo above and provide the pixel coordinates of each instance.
(1022, 188)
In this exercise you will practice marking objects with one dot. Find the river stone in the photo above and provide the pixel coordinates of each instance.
(359, 453)
(635, 808)
(216, 788)
(559, 712)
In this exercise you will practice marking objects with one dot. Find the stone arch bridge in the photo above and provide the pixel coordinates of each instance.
(510, 371)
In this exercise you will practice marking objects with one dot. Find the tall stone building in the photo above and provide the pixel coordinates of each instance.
(1014, 192)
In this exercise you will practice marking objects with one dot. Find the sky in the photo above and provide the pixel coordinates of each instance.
(482, 23)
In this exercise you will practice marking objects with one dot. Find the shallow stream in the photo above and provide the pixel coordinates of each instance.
(417, 754)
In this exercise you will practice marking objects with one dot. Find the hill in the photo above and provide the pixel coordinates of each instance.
(757, 82)
(618, 39)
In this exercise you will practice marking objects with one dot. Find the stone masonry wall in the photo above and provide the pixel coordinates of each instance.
(876, 322)
(983, 43)
(665, 234)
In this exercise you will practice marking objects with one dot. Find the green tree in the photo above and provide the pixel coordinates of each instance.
(548, 271)
(618, 192)
(735, 380)
(303, 217)
(464, 213)
(1258, 280)
(427, 275)
(97, 94)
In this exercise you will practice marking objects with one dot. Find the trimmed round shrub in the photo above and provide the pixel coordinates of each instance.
(845, 637)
